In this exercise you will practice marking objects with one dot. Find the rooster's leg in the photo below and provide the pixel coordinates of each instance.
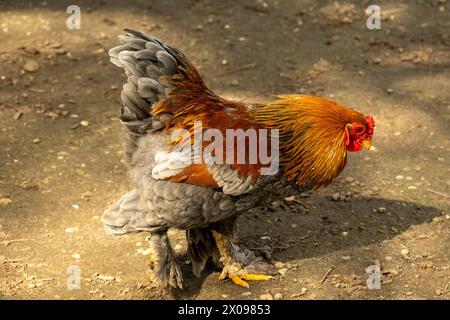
(165, 271)
(239, 264)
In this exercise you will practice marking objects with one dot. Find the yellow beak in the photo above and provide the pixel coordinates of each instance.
(366, 144)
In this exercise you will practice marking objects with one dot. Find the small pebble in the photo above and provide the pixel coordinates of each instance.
(346, 258)
(84, 123)
(5, 201)
(427, 264)
(266, 296)
(105, 277)
(31, 66)
(335, 196)
(279, 265)
(405, 253)
(36, 141)
(71, 230)
(283, 271)
(278, 296)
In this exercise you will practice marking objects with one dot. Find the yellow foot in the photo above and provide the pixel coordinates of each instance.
(239, 279)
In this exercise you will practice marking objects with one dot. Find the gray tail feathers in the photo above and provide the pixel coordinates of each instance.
(201, 246)
(124, 216)
(147, 61)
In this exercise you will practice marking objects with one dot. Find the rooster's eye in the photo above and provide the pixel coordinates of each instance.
(359, 129)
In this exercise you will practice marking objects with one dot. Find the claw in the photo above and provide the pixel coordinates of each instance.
(239, 280)
(256, 277)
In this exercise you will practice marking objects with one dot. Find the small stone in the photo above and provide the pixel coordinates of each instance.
(277, 296)
(345, 234)
(76, 256)
(246, 293)
(5, 201)
(224, 62)
(31, 66)
(279, 265)
(289, 199)
(266, 296)
(399, 177)
(390, 90)
(346, 258)
(283, 271)
(71, 230)
(28, 185)
(273, 206)
(439, 292)
(105, 277)
(427, 264)
(17, 115)
(381, 210)
(391, 272)
(405, 253)
(84, 123)
(36, 141)
(349, 179)
(234, 82)
(335, 196)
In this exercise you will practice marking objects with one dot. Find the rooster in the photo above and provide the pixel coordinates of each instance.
(165, 93)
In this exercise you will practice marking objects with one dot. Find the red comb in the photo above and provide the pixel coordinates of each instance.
(371, 125)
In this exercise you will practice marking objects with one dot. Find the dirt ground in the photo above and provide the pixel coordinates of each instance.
(60, 145)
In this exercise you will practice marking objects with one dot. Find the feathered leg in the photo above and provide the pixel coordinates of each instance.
(201, 247)
(239, 264)
(165, 271)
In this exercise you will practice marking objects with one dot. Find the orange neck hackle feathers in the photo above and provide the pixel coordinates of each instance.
(312, 136)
